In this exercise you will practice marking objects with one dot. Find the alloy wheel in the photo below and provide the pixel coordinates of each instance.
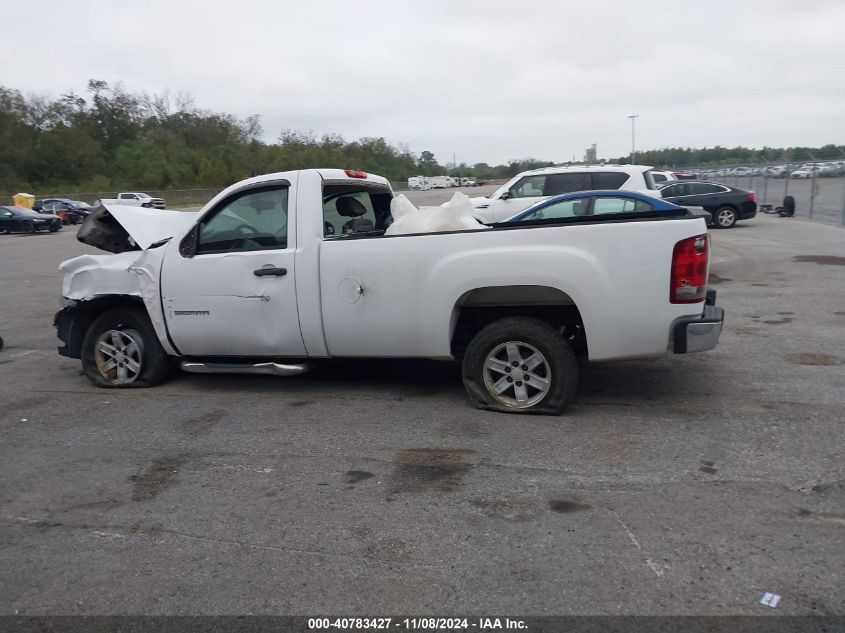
(119, 355)
(517, 374)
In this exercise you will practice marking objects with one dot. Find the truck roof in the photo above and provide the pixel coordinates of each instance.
(325, 174)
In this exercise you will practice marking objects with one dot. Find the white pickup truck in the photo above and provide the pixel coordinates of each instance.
(283, 269)
(134, 199)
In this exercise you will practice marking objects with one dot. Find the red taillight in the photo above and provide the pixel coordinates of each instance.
(354, 173)
(688, 283)
(752, 196)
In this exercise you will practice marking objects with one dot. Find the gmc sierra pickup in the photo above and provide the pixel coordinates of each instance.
(284, 269)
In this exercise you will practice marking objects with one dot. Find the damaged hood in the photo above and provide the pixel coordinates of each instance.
(119, 228)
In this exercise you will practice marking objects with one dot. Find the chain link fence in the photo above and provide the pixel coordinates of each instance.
(173, 198)
(816, 186)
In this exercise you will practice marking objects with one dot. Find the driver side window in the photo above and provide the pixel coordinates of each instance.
(253, 220)
(528, 187)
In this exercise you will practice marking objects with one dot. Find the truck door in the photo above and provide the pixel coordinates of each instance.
(228, 286)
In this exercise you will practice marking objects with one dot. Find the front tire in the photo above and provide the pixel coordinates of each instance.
(121, 350)
(520, 365)
(28, 227)
(725, 217)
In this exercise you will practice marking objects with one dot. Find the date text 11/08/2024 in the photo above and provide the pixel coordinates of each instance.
(417, 624)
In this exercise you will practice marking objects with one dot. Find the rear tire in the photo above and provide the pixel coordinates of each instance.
(520, 365)
(121, 350)
(725, 217)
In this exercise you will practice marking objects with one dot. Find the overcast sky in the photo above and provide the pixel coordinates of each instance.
(488, 81)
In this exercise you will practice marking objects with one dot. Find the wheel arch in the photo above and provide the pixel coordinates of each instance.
(72, 322)
(477, 308)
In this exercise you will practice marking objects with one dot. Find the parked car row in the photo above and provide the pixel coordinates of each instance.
(75, 211)
(725, 205)
(831, 169)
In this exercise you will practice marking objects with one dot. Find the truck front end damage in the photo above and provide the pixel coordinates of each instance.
(92, 284)
(118, 228)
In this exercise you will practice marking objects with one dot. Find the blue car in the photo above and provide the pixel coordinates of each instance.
(594, 203)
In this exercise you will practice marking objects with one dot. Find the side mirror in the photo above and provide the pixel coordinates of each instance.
(505, 195)
(188, 246)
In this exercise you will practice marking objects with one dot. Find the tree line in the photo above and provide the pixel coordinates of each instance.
(679, 157)
(109, 139)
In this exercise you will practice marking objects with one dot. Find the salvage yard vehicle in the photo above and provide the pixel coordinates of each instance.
(529, 187)
(660, 177)
(589, 203)
(805, 171)
(135, 199)
(299, 260)
(726, 204)
(21, 220)
(68, 210)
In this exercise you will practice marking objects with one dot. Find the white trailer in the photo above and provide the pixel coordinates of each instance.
(419, 182)
(440, 182)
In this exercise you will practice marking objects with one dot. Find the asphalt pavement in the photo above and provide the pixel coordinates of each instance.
(685, 485)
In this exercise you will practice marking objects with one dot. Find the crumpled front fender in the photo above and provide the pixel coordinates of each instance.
(104, 279)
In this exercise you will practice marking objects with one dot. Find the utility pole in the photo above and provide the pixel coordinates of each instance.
(633, 118)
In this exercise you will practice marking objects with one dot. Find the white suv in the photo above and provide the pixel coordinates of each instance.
(524, 189)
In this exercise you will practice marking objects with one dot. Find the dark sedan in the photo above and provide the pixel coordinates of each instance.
(726, 204)
(26, 221)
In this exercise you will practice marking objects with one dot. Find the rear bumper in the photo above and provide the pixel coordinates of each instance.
(747, 210)
(699, 333)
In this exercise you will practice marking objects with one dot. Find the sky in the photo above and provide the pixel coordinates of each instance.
(481, 81)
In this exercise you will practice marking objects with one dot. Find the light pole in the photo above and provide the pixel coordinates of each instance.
(633, 118)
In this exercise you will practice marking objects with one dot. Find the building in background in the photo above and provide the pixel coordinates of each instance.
(591, 155)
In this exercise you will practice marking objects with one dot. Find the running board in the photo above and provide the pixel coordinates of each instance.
(273, 369)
